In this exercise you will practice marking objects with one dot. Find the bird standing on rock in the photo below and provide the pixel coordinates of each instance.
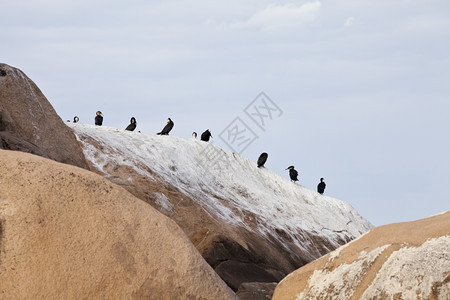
(99, 118)
(321, 186)
(206, 135)
(293, 173)
(132, 125)
(75, 119)
(262, 159)
(167, 128)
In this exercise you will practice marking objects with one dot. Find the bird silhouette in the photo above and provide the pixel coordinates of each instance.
(293, 173)
(132, 125)
(98, 118)
(262, 159)
(321, 186)
(206, 135)
(167, 128)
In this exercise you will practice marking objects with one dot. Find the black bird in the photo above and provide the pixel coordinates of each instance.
(132, 125)
(75, 119)
(206, 135)
(293, 173)
(262, 159)
(167, 128)
(99, 118)
(321, 186)
(194, 135)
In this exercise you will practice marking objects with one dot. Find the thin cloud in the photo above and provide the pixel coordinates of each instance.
(279, 17)
(349, 22)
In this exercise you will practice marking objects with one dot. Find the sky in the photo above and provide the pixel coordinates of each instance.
(356, 92)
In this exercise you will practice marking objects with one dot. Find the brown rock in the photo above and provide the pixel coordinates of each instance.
(29, 123)
(66, 233)
(239, 253)
(256, 290)
(399, 261)
(235, 273)
(236, 254)
(236, 265)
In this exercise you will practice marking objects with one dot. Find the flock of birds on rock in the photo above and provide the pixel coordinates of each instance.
(205, 136)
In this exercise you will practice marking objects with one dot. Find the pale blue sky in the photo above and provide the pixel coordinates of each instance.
(364, 86)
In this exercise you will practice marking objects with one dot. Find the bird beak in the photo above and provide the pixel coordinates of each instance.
(287, 168)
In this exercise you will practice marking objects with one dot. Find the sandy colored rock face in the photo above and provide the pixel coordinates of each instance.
(66, 233)
(29, 123)
(398, 261)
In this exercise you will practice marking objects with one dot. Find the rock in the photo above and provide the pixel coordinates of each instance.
(29, 123)
(231, 232)
(398, 261)
(235, 264)
(67, 233)
(11, 141)
(234, 273)
(218, 242)
(256, 290)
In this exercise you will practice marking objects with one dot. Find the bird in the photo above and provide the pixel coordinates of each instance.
(194, 135)
(76, 119)
(167, 128)
(132, 125)
(99, 118)
(293, 173)
(206, 135)
(262, 159)
(321, 186)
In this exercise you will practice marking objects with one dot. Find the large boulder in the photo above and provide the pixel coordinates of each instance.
(29, 123)
(248, 223)
(398, 261)
(67, 233)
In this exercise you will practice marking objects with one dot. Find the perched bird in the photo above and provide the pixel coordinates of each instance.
(262, 159)
(194, 135)
(293, 173)
(132, 125)
(206, 135)
(75, 119)
(99, 118)
(167, 128)
(321, 186)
